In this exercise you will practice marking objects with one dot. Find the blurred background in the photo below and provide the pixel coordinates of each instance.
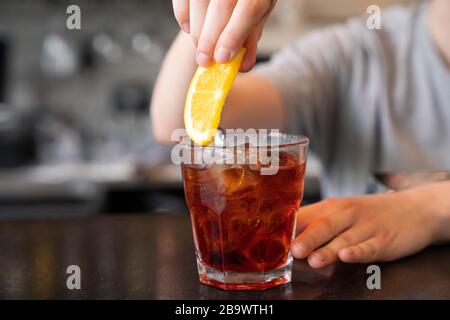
(75, 135)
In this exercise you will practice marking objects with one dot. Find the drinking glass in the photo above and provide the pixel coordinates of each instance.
(243, 200)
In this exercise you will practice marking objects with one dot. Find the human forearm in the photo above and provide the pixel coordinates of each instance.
(171, 86)
(434, 200)
(379, 227)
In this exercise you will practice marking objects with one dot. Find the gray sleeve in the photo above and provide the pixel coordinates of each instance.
(310, 75)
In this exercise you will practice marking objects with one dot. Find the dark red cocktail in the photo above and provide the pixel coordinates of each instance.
(244, 221)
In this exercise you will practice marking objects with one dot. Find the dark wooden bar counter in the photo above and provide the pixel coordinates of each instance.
(151, 256)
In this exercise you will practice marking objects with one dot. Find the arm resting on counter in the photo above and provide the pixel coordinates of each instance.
(379, 227)
(435, 199)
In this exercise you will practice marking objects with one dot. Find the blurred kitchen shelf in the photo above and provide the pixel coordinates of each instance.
(83, 180)
(89, 188)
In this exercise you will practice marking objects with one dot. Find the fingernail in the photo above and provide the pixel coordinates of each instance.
(186, 27)
(299, 250)
(222, 55)
(316, 259)
(346, 253)
(203, 59)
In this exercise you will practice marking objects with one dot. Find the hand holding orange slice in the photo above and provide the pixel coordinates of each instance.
(206, 96)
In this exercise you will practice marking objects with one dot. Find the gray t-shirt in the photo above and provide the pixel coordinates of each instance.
(370, 100)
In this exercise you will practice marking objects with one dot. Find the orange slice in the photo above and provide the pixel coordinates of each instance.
(206, 96)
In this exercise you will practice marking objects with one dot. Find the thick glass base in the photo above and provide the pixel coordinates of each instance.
(245, 280)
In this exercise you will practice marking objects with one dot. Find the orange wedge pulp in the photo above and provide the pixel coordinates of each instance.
(206, 96)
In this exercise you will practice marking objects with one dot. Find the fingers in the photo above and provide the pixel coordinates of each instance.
(309, 213)
(246, 15)
(220, 28)
(319, 232)
(312, 212)
(329, 253)
(363, 252)
(197, 14)
(251, 45)
(217, 17)
(181, 11)
(252, 42)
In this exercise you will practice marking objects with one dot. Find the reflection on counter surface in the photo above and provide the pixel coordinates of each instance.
(152, 257)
